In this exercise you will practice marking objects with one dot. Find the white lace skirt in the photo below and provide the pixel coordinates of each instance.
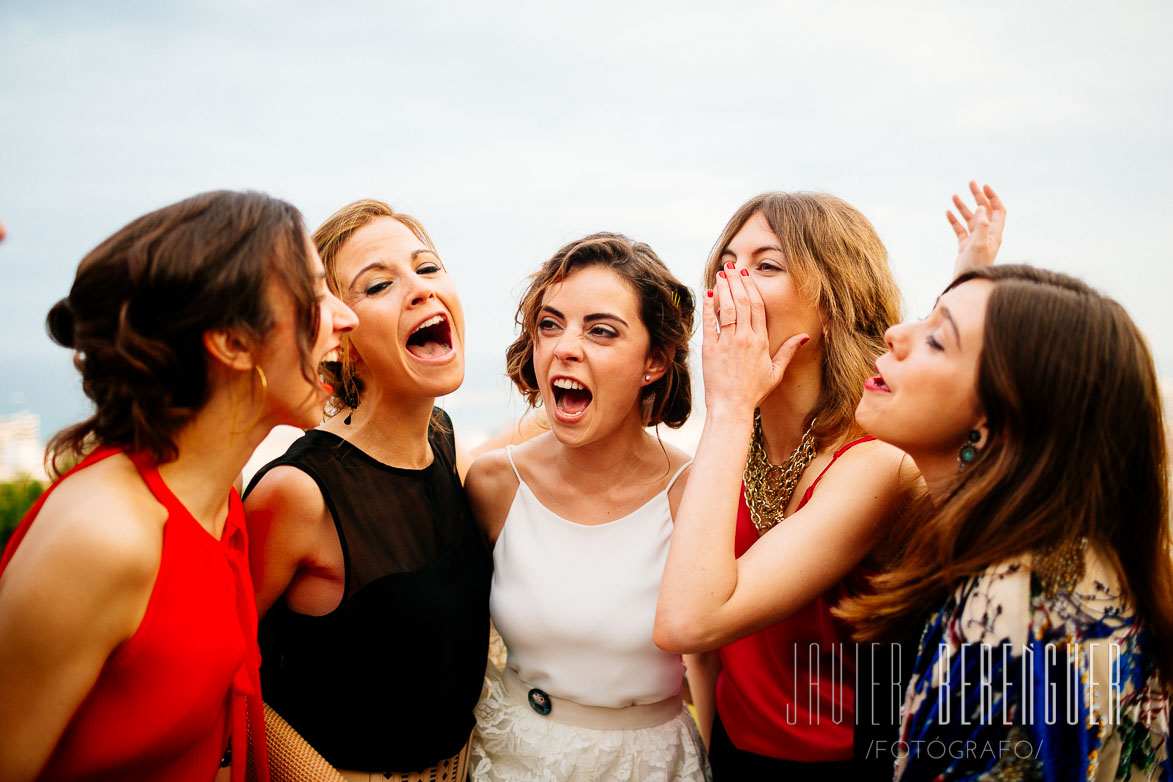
(512, 743)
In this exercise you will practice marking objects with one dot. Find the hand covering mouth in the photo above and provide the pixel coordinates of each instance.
(431, 339)
(570, 396)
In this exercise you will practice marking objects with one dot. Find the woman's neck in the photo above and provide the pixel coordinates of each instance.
(393, 430)
(211, 456)
(939, 472)
(614, 458)
(786, 411)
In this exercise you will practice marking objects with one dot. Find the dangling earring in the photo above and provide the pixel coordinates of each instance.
(969, 451)
(348, 417)
(645, 408)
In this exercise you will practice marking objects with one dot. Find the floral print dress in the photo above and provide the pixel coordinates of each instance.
(1016, 678)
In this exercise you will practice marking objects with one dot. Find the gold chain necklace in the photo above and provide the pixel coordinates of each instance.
(769, 486)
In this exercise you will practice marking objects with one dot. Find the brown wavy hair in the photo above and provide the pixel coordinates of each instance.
(665, 307)
(1076, 449)
(329, 238)
(838, 262)
(143, 299)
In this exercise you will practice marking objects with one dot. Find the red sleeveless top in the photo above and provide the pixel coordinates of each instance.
(168, 699)
(788, 691)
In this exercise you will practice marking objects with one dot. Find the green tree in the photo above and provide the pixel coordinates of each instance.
(16, 497)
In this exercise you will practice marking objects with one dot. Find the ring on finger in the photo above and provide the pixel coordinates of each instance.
(727, 325)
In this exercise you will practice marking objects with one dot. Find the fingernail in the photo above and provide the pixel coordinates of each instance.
(709, 293)
(804, 341)
(721, 275)
(745, 272)
(730, 265)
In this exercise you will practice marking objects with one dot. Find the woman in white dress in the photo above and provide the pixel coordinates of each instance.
(580, 519)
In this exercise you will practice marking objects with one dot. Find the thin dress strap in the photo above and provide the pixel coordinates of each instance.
(811, 489)
(509, 456)
(683, 467)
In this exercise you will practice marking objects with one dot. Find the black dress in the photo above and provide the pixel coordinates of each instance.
(386, 681)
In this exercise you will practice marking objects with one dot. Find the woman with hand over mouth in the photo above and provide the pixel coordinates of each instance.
(790, 498)
(1041, 551)
(370, 572)
(127, 624)
(581, 518)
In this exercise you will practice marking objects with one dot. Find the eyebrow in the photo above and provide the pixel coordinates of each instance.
(364, 270)
(947, 315)
(759, 251)
(594, 316)
(415, 254)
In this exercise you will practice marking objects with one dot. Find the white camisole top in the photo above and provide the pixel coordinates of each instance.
(575, 603)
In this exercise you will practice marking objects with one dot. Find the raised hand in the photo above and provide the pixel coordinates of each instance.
(735, 353)
(980, 235)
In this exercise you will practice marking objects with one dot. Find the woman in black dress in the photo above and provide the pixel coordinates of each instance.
(372, 577)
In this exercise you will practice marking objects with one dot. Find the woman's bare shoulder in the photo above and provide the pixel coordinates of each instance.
(106, 513)
(93, 552)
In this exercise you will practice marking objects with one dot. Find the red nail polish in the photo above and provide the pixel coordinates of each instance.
(804, 341)
(709, 293)
(745, 272)
(721, 275)
(730, 265)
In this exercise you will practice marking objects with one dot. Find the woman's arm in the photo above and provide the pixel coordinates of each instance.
(701, 671)
(710, 597)
(76, 589)
(291, 537)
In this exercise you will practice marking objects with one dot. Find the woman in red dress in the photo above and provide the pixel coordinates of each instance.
(127, 621)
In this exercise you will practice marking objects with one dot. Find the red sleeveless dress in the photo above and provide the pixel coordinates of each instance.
(788, 691)
(168, 699)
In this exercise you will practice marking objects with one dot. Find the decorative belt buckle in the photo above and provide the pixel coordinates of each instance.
(539, 701)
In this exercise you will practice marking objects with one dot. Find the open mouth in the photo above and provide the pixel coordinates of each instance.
(332, 363)
(431, 339)
(876, 383)
(571, 398)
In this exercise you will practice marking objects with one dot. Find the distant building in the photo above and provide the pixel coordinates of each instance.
(21, 450)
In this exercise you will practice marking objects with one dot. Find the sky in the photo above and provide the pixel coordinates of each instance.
(509, 129)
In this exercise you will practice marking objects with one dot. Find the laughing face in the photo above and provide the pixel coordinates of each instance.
(296, 399)
(924, 399)
(410, 337)
(591, 355)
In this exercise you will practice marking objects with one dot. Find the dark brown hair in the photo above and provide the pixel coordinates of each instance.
(143, 299)
(837, 262)
(1076, 449)
(329, 238)
(665, 307)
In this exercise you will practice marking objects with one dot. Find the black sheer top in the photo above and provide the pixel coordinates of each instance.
(386, 681)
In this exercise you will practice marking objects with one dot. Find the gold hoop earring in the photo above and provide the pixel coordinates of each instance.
(260, 406)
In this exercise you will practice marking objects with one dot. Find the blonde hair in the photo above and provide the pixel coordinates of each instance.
(329, 238)
(837, 262)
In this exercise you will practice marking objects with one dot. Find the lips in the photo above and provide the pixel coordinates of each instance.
(432, 338)
(876, 383)
(571, 398)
